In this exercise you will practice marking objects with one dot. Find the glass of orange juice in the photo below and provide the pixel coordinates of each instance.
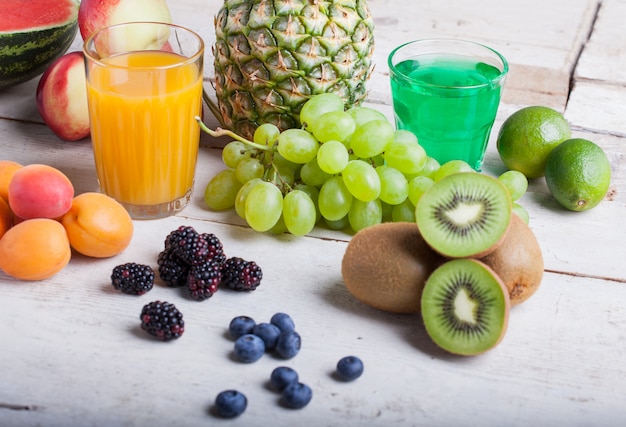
(144, 89)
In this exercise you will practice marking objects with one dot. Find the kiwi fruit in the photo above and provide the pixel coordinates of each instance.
(386, 265)
(465, 307)
(518, 261)
(464, 215)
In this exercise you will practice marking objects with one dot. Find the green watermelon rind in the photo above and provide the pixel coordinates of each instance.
(26, 54)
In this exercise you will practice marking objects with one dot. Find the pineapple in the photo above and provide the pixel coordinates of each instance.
(273, 55)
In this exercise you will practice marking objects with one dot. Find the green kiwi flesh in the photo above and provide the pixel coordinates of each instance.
(464, 215)
(465, 307)
(386, 265)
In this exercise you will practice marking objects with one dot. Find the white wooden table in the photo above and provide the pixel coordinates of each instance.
(73, 353)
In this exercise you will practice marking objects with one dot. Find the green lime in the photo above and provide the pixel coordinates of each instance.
(578, 174)
(528, 136)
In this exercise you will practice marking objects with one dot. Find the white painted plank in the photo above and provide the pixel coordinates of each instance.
(604, 56)
(598, 107)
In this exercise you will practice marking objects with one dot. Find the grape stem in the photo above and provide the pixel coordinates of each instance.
(225, 132)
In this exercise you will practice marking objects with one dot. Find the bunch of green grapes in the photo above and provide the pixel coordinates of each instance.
(346, 168)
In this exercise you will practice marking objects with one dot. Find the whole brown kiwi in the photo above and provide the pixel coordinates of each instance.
(518, 261)
(386, 266)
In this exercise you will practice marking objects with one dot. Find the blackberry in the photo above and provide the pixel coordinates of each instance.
(241, 275)
(194, 248)
(203, 280)
(172, 271)
(162, 320)
(215, 248)
(132, 278)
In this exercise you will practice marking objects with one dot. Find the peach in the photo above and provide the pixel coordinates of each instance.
(7, 170)
(62, 97)
(6, 217)
(94, 15)
(40, 191)
(34, 249)
(97, 225)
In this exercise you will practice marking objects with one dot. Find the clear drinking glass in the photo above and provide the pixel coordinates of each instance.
(447, 93)
(144, 89)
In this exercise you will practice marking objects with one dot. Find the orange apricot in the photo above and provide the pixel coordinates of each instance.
(97, 225)
(7, 170)
(34, 249)
(6, 217)
(40, 191)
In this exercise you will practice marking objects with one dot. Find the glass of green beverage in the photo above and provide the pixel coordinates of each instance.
(447, 93)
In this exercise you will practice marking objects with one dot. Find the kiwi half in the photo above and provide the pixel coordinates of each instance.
(386, 265)
(465, 307)
(464, 215)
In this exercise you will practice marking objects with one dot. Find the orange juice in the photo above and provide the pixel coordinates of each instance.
(145, 137)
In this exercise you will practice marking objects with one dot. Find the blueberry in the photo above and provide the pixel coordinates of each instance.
(230, 403)
(297, 395)
(268, 333)
(288, 344)
(349, 368)
(283, 321)
(249, 348)
(283, 376)
(241, 325)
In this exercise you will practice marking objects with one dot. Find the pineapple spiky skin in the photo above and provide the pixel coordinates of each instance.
(273, 55)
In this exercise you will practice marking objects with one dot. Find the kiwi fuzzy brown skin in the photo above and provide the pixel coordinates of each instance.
(386, 266)
(518, 261)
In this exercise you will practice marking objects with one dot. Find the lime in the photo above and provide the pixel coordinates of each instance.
(528, 136)
(578, 174)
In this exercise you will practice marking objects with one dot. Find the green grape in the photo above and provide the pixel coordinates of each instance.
(521, 212)
(338, 224)
(299, 213)
(266, 134)
(332, 126)
(431, 165)
(279, 227)
(287, 170)
(234, 152)
(418, 186)
(297, 145)
(314, 194)
(264, 205)
(364, 214)
(394, 188)
(361, 180)
(222, 189)
(407, 157)
(451, 167)
(403, 135)
(403, 212)
(334, 200)
(332, 157)
(318, 105)
(516, 182)
(312, 174)
(362, 115)
(387, 211)
(248, 169)
(242, 194)
(371, 139)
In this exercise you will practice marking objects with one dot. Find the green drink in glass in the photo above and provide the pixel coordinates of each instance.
(447, 93)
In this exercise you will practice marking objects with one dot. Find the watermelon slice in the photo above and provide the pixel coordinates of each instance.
(33, 33)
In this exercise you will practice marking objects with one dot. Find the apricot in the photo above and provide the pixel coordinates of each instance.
(6, 217)
(34, 249)
(97, 225)
(7, 170)
(40, 191)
